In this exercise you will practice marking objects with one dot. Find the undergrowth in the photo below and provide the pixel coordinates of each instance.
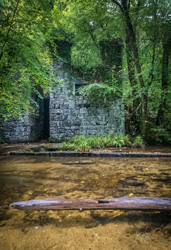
(85, 143)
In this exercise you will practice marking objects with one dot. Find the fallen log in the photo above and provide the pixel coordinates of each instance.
(123, 203)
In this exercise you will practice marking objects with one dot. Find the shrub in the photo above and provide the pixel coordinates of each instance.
(84, 143)
(160, 135)
(137, 142)
(52, 140)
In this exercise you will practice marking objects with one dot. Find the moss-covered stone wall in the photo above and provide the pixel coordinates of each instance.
(71, 114)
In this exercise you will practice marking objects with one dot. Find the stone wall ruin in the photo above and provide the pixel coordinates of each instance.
(70, 114)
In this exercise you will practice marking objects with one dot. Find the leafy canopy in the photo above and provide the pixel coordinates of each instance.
(25, 62)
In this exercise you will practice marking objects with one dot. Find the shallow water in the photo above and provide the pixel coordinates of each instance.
(25, 178)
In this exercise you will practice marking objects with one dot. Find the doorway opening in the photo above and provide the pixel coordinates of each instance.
(46, 132)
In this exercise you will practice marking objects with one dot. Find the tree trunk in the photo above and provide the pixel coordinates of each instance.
(165, 83)
(123, 203)
(134, 121)
(134, 48)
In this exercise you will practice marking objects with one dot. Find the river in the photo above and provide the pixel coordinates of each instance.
(35, 177)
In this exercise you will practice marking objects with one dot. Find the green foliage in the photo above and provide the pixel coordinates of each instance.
(68, 146)
(52, 140)
(84, 143)
(25, 62)
(99, 93)
(162, 136)
(159, 136)
(137, 142)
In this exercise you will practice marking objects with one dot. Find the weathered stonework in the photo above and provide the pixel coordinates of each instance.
(29, 128)
(68, 113)
(72, 115)
(16, 130)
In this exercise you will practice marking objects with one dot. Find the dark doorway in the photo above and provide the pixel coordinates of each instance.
(46, 119)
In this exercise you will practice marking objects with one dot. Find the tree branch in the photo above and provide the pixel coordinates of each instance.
(118, 4)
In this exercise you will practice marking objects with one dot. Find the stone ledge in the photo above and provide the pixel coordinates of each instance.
(92, 154)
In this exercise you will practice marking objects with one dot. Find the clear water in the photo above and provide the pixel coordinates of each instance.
(24, 178)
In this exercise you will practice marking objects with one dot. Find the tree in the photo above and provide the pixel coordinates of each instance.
(25, 63)
(165, 25)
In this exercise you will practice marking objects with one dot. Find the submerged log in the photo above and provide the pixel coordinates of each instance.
(123, 203)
